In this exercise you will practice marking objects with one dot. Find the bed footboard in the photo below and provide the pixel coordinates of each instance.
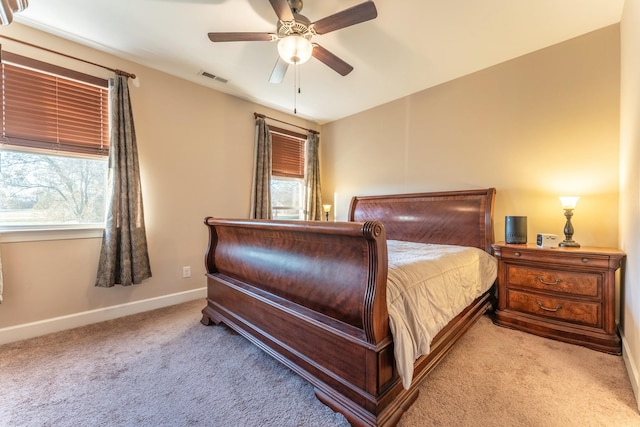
(313, 295)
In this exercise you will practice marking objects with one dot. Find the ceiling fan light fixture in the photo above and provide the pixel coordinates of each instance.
(295, 49)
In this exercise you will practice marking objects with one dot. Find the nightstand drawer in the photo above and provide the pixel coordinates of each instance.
(586, 313)
(584, 284)
(552, 256)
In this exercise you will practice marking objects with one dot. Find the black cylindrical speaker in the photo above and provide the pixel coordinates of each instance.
(515, 229)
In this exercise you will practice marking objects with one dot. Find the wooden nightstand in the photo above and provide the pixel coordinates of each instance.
(567, 294)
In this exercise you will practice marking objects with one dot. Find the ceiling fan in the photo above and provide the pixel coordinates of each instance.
(295, 31)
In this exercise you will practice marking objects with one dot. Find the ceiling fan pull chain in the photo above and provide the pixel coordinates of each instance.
(296, 87)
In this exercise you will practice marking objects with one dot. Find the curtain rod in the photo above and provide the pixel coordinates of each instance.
(124, 73)
(256, 115)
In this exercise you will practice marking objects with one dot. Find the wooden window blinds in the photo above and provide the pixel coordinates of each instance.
(52, 108)
(287, 156)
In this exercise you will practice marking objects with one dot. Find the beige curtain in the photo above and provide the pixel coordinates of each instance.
(124, 258)
(261, 187)
(313, 190)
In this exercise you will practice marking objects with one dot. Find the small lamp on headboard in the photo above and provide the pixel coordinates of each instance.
(327, 209)
(569, 204)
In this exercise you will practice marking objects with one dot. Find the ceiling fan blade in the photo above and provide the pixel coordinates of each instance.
(331, 60)
(241, 37)
(354, 15)
(282, 9)
(279, 71)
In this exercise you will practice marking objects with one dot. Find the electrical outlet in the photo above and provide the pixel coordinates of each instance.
(186, 272)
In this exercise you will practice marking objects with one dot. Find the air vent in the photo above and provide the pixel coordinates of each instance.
(213, 76)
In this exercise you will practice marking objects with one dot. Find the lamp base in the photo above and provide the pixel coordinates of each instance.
(569, 244)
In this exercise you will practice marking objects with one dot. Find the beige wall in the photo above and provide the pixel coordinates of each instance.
(536, 127)
(630, 185)
(196, 151)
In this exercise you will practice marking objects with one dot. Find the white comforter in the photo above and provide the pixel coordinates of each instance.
(427, 286)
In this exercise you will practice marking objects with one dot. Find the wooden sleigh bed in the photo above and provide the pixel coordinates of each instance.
(313, 294)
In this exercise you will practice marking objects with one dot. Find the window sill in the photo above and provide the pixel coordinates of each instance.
(13, 235)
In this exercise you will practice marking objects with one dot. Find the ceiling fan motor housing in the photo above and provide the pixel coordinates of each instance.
(300, 26)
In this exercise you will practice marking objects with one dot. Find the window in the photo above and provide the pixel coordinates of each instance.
(287, 170)
(54, 146)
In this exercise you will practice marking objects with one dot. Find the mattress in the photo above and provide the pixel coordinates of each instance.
(427, 286)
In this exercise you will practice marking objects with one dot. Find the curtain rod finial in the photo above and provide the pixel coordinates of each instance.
(124, 73)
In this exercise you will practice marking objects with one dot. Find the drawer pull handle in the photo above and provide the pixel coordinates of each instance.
(585, 260)
(558, 307)
(516, 254)
(544, 282)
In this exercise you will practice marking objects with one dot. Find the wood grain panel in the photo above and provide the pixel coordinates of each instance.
(426, 218)
(586, 313)
(555, 280)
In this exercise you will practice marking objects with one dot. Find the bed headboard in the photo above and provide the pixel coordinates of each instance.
(462, 218)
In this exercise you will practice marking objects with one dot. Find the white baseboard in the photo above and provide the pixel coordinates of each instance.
(632, 369)
(57, 324)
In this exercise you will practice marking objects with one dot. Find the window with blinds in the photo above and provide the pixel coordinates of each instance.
(54, 146)
(51, 108)
(287, 153)
(287, 170)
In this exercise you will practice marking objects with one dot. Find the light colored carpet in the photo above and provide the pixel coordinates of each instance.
(164, 368)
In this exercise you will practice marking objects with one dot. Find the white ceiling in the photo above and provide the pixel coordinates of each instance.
(412, 44)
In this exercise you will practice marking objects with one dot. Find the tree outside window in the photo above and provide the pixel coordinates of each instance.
(39, 189)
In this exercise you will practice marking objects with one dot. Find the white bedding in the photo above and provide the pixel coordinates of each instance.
(427, 286)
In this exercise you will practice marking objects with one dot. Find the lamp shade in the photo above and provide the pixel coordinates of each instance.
(569, 202)
(295, 49)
